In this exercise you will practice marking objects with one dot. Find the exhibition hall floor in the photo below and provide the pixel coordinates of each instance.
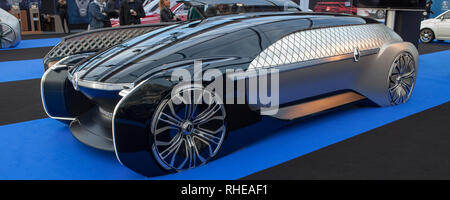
(410, 141)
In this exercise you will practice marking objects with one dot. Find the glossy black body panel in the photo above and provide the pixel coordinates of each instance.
(93, 128)
(131, 126)
(60, 96)
(213, 38)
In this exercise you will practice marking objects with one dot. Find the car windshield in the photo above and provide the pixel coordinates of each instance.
(201, 9)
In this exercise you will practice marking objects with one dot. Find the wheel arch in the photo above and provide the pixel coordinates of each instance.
(373, 82)
(131, 125)
(428, 27)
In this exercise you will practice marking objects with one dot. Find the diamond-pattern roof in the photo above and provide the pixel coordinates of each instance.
(322, 43)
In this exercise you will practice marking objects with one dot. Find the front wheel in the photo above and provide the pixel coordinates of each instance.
(426, 35)
(187, 131)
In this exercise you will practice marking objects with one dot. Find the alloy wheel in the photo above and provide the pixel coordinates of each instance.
(188, 134)
(426, 35)
(402, 78)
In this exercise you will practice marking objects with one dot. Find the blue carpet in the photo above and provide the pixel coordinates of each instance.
(45, 149)
(21, 70)
(36, 43)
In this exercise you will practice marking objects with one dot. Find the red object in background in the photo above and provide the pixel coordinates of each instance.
(152, 16)
(335, 7)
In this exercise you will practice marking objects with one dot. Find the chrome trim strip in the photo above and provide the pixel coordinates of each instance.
(54, 67)
(103, 86)
(98, 85)
(319, 61)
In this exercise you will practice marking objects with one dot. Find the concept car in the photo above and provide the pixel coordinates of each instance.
(9, 30)
(117, 93)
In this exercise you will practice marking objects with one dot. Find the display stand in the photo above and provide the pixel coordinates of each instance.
(35, 21)
(390, 18)
(59, 24)
(304, 5)
(405, 22)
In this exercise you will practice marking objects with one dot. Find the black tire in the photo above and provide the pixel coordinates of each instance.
(426, 35)
(380, 14)
(187, 135)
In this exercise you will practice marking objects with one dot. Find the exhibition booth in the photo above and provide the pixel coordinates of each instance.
(225, 89)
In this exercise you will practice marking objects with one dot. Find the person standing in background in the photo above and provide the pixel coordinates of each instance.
(111, 12)
(25, 4)
(97, 14)
(428, 9)
(166, 14)
(131, 12)
(63, 14)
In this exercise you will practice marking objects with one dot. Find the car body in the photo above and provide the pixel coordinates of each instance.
(123, 98)
(152, 16)
(9, 30)
(436, 28)
(335, 7)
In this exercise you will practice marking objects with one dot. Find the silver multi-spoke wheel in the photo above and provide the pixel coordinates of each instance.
(8, 36)
(187, 134)
(402, 78)
(380, 14)
(426, 35)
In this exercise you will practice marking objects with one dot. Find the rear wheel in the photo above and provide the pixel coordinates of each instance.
(188, 134)
(402, 78)
(426, 35)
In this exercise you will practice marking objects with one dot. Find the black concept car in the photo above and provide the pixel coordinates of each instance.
(117, 91)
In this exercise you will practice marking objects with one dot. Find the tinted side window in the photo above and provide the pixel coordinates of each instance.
(447, 15)
(277, 30)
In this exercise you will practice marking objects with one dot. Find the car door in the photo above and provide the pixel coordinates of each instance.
(443, 27)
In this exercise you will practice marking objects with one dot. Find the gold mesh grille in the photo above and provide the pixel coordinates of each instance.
(95, 41)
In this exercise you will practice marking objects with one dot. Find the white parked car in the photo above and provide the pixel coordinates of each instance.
(436, 28)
